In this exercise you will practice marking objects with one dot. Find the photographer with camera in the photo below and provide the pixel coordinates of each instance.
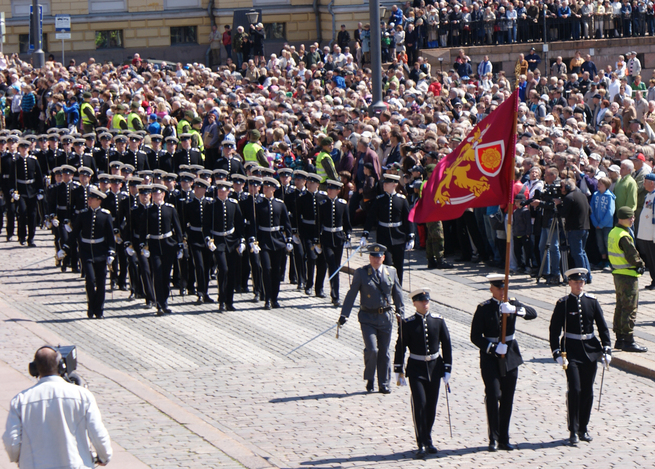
(51, 423)
(546, 202)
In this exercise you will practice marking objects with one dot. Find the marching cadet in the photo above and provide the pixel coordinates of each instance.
(422, 334)
(134, 155)
(299, 181)
(55, 154)
(83, 159)
(157, 155)
(390, 212)
(171, 143)
(94, 230)
(242, 270)
(228, 159)
(378, 286)
(62, 218)
(247, 206)
(223, 234)
(282, 193)
(26, 191)
(186, 154)
(101, 153)
(195, 212)
(42, 153)
(81, 192)
(183, 273)
(273, 234)
(579, 350)
(160, 236)
(335, 233)
(125, 224)
(145, 273)
(308, 229)
(56, 180)
(67, 149)
(118, 152)
(499, 361)
(7, 170)
(112, 203)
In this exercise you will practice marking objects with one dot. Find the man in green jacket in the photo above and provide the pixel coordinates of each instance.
(625, 189)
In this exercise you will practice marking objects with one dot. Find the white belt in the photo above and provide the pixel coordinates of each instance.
(93, 241)
(25, 181)
(162, 236)
(271, 229)
(194, 228)
(62, 207)
(391, 225)
(333, 230)
(568, 335)
(308, 222)
(424, 358)
(495, 340)
(6, 176)
(222, 233)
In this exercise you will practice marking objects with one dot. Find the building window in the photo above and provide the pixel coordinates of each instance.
(24, 43)
(261, 3)
(181, 4)
(111, 39)
(105, 6)
(184, 35)
(276, 31)
(21, 8)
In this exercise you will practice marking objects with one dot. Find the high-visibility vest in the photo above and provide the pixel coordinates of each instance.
(85, 118)
(320, 170)
(130, 120)
(201, 144)
(116, 121)
(250, 151)
(616, 256)
(180, 127)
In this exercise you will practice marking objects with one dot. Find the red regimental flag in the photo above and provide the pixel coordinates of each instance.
(477, 173)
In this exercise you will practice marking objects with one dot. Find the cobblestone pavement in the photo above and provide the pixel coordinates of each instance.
(309, 409)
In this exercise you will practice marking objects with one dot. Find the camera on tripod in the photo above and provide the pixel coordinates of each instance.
(549, 193)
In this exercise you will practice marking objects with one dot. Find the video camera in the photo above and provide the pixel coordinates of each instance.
(66, 366)
(549, 193)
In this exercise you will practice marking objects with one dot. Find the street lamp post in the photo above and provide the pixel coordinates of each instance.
(38, 55)
(252, 16)
(377, 105)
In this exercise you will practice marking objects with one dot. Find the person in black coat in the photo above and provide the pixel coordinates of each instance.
(251, 262)
(229, 160)
(575, 211)
(94, 230)
(134, 155)
(26, 183)
(576, 348)
(186, 154)
(196, 210)
(422, 334)
(499, 361)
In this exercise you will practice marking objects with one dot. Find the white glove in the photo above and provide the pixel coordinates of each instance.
(48, 224)
(15, 196)
(347, 245)
(55, 222)
(289, 247)
(296, 239)
(606, 359)
(318, 249)
(507, 308)
(362, 242)
(68, 228)
(240, 248)
(61, 254)
(39, 196)
(129, 251)
(180, 254)
(561, 361)
(145, 253)
(446, 378)
(501, 349)
(211, 245)
(410, 245)
(400, 379)
(110, 260)
(118, 239)
(257, 249)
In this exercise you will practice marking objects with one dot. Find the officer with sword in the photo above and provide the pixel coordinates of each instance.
(422, 334)
(579, 350)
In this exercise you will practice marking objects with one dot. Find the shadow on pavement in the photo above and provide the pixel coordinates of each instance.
(369, 458)
(317, 397)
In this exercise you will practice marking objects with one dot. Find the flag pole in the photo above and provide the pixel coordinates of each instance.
(510, 209)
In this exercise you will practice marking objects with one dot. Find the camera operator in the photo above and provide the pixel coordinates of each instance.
(51, 423)
(545, 203)
(575, 211)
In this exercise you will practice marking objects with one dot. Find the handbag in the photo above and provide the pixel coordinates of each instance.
(497, 221)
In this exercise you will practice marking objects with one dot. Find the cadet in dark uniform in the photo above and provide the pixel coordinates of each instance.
(94, 231)
(27, 183)
(247, 205)
(8, 168)
(422, 333)
(283, 193)
(273, 233)
(63, 216)
(127, 227)
(134, 155)
(499, 385)
(308, 229)
(579, 350)
(228, 160)
(83, 159)
(161, 241)
(138, 217)
(242, 269)
(101, 153)
(390, 212)
(378, 286)
(112, 203)
(295, 191)
(195, 213)
(184, 274)
(335, 232)
(223, 231)
(186, 154)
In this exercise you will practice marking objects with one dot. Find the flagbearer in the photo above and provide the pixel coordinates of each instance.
(378, 286)
(499, 374)
(422, 333)
(574, 315)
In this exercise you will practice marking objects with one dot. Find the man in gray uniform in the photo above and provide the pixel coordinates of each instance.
(377, 285)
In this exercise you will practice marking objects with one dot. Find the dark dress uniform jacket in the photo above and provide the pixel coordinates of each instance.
(307, 213)
(125, 221)
(487, 325)
(95, 233)
(578, 315)
(223, 217)
(423, 335)
(391, 215)
(195, 213)
(189, 157)
(334, 214)
(26, 177)
(270, 213)
(160, 220)
(231, 165)
(62, 200)
(138, 159)
(80, 199)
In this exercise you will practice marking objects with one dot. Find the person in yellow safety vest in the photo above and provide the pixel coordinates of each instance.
(184, 126)
(627, 268)
(324, 163)
(196, 140)
(133, 120)
(88, 114)
(118, 121)
(253, 151)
